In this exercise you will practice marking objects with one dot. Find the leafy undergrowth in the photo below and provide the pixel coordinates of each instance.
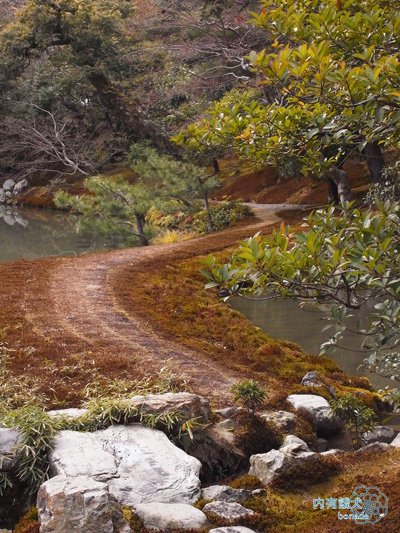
(173, 298)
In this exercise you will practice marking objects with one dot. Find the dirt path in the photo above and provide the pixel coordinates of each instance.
(77, 307)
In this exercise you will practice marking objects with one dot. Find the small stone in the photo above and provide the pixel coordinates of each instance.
(396, 442)
(225, 493)
(227, 424)
(8, 185)
(73, 413)
(228, 511)
(232, 529)
(20, 186)
(10, 439)
(375, 446)
(379, 434)
(284, 420)
(228, 412)
(170, 516)
(188, 405)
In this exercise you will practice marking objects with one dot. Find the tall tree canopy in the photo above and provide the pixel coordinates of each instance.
(328, 86)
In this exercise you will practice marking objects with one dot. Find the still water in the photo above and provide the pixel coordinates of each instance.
(33, 233)
(282, 318)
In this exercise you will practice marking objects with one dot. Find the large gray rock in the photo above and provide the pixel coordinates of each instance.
(8, 185)
(379, 434)
(396, 442)
(225, 493)
(141, 465)
(189, 405)
(293, 453)
(2, 196)
(318, 408)
(228, 511)
(283, 420)
(77, 505)
(10, 440)
(232, 529)
(167, 516)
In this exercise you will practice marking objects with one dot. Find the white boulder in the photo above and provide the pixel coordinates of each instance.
(318, 409)
(189, 405)
(293, 453)
(76, 505)
(8, 185)
(171, 516)
(141, 465)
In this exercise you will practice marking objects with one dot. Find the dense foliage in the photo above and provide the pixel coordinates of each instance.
(328, 87)
(343, 261)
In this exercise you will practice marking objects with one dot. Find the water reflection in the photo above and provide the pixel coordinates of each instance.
(282, 318)
(34, 233)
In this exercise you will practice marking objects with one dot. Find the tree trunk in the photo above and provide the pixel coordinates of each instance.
(207, 204)
(333, 194)
(140, 226)
(341, 180)
(215, 165)
(375, 161)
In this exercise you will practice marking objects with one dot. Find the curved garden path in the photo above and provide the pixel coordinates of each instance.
(77, 306)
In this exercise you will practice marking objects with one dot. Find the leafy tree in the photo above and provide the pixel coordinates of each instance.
(182, 180)
(115, 206)
(357, 417)
(249, 393)
(345, 259)
(330, 87)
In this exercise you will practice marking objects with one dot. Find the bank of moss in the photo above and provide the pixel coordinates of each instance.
(172, 297)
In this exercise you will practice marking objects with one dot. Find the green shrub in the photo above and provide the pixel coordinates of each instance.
(249, 393)
(357, 417)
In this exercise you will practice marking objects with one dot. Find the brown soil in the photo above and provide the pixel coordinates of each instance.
(262, 186)
(62, 307)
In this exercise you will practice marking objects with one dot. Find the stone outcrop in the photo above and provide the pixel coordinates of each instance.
(225, 493)
(231, 512)
(140, 465)
(167, 516)
(379, 434)
(283, 420)
(78, 504)
(10, 189)
(317, 407)
(188, 405)
(294, 452)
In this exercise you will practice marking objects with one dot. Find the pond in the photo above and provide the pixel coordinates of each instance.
(282, 318)
(28, 233)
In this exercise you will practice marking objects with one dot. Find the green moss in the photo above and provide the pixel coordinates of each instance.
(255, 435)
(246, 481)
(29, 522)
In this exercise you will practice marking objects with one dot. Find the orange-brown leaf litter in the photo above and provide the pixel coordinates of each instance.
(126, 312)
